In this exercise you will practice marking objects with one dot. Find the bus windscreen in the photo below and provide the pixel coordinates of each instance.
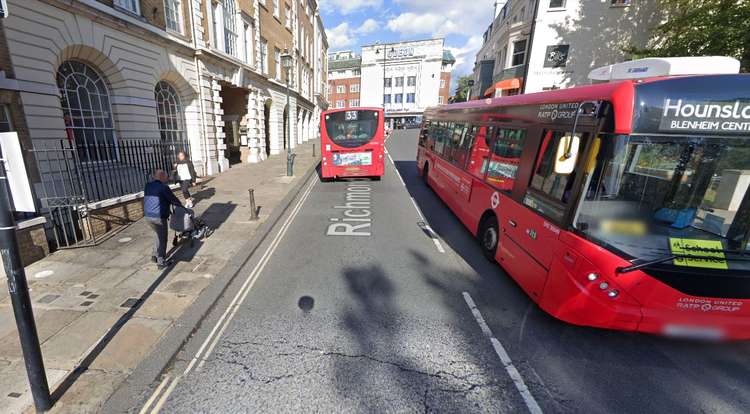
(351, 129)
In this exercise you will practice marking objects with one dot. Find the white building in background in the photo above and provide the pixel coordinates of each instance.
(536, 45)
(405, 78)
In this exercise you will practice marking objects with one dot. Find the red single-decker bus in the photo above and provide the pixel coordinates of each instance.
(622, 205)
(352, 143)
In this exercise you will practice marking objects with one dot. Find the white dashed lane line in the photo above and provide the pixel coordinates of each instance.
(515, 376)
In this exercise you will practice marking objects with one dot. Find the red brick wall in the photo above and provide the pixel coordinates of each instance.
(347, 96)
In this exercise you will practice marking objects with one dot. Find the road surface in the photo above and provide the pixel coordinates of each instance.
(398, 311)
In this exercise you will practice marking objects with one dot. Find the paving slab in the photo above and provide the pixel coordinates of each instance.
(67, 348)
(48, 323)
(131, 344)
(16, 395)
(167, 306)
(79, 398)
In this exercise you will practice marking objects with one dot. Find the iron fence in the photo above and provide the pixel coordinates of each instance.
(68, 185)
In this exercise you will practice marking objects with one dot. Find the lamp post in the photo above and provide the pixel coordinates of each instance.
(286, 62)
(470, 84)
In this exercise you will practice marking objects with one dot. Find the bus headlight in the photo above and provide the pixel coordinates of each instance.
(593, 276)
(603, 285)
(613, 293)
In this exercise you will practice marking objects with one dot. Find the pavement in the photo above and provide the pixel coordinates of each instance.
(101, 311)
(400, 312)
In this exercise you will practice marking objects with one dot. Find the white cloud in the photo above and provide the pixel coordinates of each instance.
(466, 54)
(347, 6)
(367, 27)
(442, 17)
(340, 36)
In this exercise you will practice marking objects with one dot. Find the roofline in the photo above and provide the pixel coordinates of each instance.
(356, 108)
(405, 41)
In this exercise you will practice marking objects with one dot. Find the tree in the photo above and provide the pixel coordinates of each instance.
(702, 28)
(462, 88)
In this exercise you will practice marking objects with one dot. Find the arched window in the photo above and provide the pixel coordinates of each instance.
(86, 111)
(169, 112)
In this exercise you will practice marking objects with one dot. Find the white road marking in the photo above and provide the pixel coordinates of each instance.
(416, 207)
(433, 235)
(528, 399)
(210, 342)
(150, 401)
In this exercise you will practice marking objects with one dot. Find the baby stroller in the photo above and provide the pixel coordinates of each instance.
(187, 227)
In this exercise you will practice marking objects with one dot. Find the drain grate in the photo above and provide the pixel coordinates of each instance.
(14, 395)
(85, 293)
(129, 303)
(93, 296)
(87, 303)
(46, 299)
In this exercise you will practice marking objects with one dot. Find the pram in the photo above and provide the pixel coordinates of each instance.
(187, 227)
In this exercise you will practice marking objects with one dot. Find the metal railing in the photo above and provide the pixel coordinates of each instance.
(67, 185)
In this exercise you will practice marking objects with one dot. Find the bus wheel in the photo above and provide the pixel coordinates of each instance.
(376, 178)
(488, 237)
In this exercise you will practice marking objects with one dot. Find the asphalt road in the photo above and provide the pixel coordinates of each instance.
(375, 319)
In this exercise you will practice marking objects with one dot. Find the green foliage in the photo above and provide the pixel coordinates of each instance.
(462, 88)
(702, 28)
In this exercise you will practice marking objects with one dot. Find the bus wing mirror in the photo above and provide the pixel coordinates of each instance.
(567, 154)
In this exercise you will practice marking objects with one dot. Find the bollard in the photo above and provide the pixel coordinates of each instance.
(290, 164)
(313, 150)
(253, 209)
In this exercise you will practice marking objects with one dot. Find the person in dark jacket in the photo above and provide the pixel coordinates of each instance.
(185, 173)
(157, 199)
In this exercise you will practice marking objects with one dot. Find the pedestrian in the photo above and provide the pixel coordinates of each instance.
(157, 200)
(185, 174)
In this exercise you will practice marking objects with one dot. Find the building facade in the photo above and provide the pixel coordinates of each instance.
(536, 45)
(344, 79)
(204, 76)
(405, 78)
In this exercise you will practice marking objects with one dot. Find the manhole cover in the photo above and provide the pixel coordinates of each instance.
(125, 239)
(43, 274)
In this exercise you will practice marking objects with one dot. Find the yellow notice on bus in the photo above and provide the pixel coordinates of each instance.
(700, 248)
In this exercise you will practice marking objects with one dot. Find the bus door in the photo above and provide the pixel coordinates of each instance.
(530, 229)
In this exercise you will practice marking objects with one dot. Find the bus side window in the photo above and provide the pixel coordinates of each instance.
(453, 146)
(505, 158)
(440, 137)
(424, 135)
(549, 192)
(479, 157)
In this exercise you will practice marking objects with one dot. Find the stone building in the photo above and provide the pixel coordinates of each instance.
(344, 79)
(204, 75)
(405, 78)
(536, 45)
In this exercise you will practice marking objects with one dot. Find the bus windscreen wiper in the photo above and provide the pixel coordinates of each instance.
(631, 268)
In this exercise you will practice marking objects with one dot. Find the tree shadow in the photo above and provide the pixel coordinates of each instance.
(387, 367)
(597, 40)
(214, 216)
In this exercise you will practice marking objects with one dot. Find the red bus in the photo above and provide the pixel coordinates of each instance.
(352, 143)
(620, 205)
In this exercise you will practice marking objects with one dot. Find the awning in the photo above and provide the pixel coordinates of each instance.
(513, 83)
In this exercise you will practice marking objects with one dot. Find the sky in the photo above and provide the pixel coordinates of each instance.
(352, 23)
